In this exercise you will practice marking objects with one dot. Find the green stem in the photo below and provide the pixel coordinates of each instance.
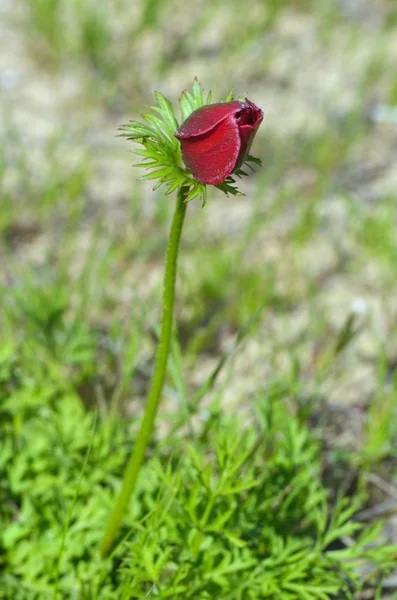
(153, 399)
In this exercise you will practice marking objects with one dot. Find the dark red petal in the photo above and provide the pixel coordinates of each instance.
(247, 134)
(204, 119)
(248, 120)
(213, 156)
(251, 114)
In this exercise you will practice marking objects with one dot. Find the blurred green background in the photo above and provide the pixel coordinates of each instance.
(312, 242)
(296, 282)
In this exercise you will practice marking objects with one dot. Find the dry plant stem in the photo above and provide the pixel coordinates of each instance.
(153, 399)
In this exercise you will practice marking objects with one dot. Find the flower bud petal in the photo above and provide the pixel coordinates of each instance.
(212, 157)
(204, 119)
(215, 139)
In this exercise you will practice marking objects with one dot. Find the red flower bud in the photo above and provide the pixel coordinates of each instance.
(216, 139)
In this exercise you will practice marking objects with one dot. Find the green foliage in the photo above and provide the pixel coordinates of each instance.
(42, 307)
(161, 152)
(234, 513)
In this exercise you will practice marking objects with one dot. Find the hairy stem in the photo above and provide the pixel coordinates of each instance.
(153, 399)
